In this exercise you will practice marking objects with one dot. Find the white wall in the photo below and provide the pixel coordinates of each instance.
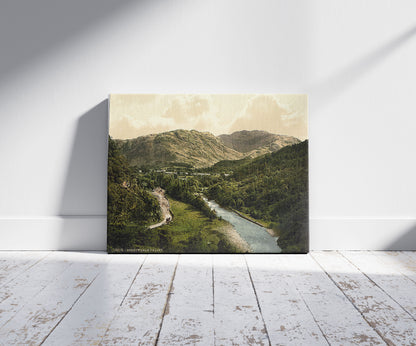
(60, 59)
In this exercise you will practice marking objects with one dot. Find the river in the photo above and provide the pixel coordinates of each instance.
(259, 240)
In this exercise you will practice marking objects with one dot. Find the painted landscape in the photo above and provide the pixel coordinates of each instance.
(208, 181)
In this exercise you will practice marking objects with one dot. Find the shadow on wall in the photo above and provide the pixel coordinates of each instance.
(337, 83)
(322, 93)
(25, 27)
(84, 197)
(85, 185)
(407, 242)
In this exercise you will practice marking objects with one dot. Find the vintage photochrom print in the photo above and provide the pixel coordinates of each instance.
(208, 173)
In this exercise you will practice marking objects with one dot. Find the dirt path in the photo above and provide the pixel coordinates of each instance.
(159, 193)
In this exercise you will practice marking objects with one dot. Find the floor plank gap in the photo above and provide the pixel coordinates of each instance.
(90, 318)
(11, 273)
(383, 314)
(122, 301)
(167, 301)
(134, 279)
(237, 317)
(350, 300)
(312, 314)
(257, 300)
(66, 313)
(379, 287)
(323, 298)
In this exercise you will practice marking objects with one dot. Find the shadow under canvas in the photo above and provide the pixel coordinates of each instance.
(84, 197)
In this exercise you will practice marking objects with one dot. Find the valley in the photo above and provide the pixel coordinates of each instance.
(260, 175)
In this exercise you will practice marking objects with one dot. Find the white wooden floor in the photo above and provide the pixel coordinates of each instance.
(336, 298)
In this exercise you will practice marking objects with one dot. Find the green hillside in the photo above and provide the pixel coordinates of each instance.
(128, 203)
(272, 188)
(176, 148)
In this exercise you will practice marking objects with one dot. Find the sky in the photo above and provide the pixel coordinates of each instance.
(133, 115)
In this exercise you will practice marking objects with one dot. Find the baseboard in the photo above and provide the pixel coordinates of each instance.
(89, 233)
(362, 234)
(77, 233)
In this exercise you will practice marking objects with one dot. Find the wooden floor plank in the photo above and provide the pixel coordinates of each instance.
(238, 320)
(14, 263)
(15, 294)
(89, 318)
(362, 298)
(401, 261)
(386, 276)
(411, 255)
(391, 322)
(12, 259)
(32, 324)
(338, 319)
(139, 318)
(287, 317)
(189, 318)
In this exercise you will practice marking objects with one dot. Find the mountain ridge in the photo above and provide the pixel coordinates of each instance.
(255, 142)
(192, 148)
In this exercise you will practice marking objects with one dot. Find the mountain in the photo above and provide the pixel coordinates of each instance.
(187, 148)
(191, 148)
(256, 143)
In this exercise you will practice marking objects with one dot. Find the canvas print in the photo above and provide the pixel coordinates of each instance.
(208, 174)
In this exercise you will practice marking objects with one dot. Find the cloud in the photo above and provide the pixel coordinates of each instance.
(264, 112)
(137, 115)
(186, 109)
(122, 128)
(128, 127)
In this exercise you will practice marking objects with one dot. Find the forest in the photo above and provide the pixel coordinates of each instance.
(127, 203)
(271, 189)
(131, 209)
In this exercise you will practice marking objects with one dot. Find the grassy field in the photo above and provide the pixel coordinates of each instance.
(191, 231)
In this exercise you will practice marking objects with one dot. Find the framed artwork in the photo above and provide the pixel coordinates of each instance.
(208, 173)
